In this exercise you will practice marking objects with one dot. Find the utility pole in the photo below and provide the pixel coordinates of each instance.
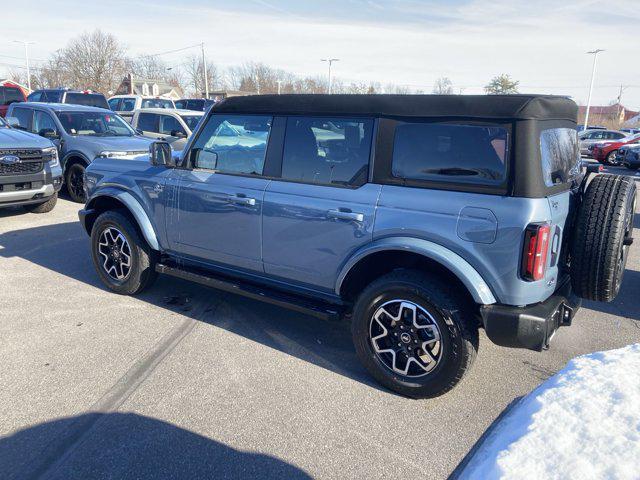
(622, 89)
(593, 74)
(279, 82)
(26, 56)
(204, 72)
(330, 61)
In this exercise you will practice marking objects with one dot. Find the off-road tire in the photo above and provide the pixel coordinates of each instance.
(74, 191)
(44, 207)
(602, 237)
(143, 259)
(454, 317)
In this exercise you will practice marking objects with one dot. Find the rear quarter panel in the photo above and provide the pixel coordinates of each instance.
(485, 230)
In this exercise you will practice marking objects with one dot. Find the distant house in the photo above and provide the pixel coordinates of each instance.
(148, 87)
(616, 113)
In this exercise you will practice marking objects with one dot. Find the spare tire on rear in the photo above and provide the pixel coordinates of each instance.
(602, 237)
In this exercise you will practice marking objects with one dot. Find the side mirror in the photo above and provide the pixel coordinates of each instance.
(160, 155)
(49, 133)
(178, 134)
(13, 122)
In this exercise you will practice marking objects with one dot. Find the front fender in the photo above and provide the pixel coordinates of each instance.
(469, 276)
(134, 207)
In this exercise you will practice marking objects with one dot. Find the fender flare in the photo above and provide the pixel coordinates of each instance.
(135, 208)
(467, 274)
(73, 153)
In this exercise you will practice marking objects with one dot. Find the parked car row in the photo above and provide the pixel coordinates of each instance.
(606, 151)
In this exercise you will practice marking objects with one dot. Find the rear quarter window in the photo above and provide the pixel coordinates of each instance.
(446, 152)
(560, 155)
(87, 99)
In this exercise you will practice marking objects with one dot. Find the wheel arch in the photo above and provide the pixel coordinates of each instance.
(113, 199)
(387, 254)
(74, 157)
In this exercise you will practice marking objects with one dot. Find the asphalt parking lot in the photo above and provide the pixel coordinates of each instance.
(186, 382)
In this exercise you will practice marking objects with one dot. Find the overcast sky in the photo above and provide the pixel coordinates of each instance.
(407, 42)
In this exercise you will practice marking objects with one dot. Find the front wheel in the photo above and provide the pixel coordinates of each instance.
(44, 207)
(123, 259)
(74, 180)
(414, 334)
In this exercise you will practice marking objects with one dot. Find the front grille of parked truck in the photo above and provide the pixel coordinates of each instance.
(31, 161)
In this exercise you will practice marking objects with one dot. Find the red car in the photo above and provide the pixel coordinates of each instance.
(606, 152)
(10, 93)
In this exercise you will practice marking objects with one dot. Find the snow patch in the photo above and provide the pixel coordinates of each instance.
(583, 423)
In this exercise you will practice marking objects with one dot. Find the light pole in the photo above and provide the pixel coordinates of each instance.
(279, 82)
(593, 74)
(204, 72)
(26, 55)
(329, 61)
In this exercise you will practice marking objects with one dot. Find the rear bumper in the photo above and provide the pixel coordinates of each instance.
(532, 326)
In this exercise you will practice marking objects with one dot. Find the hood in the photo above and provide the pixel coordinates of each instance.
(99, 144)
(14, 138)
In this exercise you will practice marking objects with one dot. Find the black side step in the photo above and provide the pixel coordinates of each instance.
(300, 304)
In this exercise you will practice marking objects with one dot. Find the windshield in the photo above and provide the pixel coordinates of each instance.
(191, 120)
(157, 103)
(95, 124)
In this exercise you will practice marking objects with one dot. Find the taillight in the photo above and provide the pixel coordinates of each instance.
(534, 255)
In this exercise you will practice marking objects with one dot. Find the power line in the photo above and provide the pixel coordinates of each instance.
(171, 51)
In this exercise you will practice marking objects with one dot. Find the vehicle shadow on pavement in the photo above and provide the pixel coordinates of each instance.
(64, 248)
(128, 446)
(627, 303)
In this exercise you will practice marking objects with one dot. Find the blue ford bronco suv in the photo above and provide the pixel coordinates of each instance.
(420, 219)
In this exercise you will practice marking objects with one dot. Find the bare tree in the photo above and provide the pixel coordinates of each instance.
(194, 74)
(501, 84)
(443, 86)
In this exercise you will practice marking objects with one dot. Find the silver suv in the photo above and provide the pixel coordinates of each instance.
(30, 174)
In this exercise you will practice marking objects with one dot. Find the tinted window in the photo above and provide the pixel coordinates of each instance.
(157, 103)
(233, 143)
(192, 121)
(148, 122)
(181, 104)
(42, 121)
(9, 95)
(196, 105)
(24, 117)
(168, 124)
(327, 150)
(128, 105)
(616, 135)
(560, 155)
(34, 97)
(51, 96)
(88, 99)
(113, 103)
(450, 152)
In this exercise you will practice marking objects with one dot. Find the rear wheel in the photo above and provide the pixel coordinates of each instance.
(602, 237)
(44, 207)
(74, 180)
(123, 259)
(414, 334)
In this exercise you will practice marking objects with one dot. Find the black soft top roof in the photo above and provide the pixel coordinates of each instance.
(517, 107)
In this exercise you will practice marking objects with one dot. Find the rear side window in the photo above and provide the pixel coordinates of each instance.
(170, 125)
(157, 103)
(329, 151)
(560, 155)
(181, 104)
(148, 122)
(451, 153)
(113, 103)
